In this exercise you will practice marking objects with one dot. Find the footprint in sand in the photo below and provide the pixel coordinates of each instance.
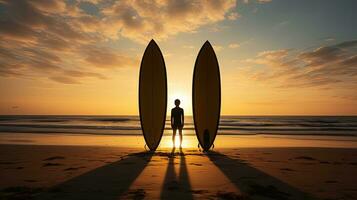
(304, 158)
(73, 168)
(51, 164)
(287, 169)
(54, 158)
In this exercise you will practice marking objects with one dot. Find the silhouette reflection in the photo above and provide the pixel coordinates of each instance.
(253, 182)
(177, 186)
(107, 182)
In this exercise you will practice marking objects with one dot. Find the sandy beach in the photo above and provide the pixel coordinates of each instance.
(46, 170)
(260, 95)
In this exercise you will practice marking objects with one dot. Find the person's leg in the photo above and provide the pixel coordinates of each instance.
(180, 133)
(173, 136)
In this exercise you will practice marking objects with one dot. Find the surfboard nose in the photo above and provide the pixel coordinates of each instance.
(152, 42)
(206, 44)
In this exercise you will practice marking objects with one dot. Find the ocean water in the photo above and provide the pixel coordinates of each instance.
(229, 125)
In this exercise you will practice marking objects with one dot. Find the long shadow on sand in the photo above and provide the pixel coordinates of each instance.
(107, 182)
(254, 183)
(177, 186)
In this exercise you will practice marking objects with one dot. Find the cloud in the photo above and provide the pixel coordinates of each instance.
(233, 16)
(217, 48)
(64, 79)
(41, 38)
(327, 65)
(329, 39)
(13, 30)
(103, 57)
(234, 45)
(67, 41)
(264, 1)
(49, 6)
(7, 71)
(141, 20)
(79, 74)
(75, 76)
(188, 46)
(257, 1)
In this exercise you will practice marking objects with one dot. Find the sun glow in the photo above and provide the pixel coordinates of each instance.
(188, 141)
(177, 141)
(186, 102)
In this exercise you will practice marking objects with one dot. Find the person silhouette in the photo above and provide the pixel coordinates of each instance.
(177, 121)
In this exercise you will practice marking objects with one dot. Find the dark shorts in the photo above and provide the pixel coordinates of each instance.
(175, 127)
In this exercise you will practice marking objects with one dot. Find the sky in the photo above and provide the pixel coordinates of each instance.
(276, 57)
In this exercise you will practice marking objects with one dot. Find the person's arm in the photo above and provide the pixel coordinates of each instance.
(171, 119)
(183, 118)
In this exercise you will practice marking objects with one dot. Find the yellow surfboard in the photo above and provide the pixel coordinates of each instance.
(206, 96)
(152, 95)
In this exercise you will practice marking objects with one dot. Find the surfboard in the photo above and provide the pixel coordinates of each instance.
(152, 95)
(206, 96)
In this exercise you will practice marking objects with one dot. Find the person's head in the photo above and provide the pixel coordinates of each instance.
(177, 102)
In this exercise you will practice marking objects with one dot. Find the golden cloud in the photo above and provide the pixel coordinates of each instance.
(59, 40)
(326, 65)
